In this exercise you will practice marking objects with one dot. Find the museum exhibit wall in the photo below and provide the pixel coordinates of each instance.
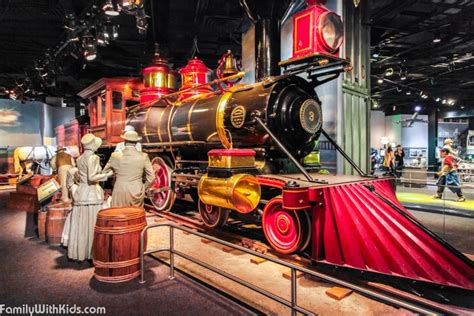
(27, 124)
(415, 137)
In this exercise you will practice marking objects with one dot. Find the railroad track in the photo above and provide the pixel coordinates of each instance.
(397, 290)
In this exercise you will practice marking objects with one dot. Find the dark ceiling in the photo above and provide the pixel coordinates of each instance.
(35, 41)
(403, 32)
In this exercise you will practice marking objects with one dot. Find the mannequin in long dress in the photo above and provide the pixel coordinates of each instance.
(88, 200)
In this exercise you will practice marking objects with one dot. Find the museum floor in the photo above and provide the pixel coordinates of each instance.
(35, 273)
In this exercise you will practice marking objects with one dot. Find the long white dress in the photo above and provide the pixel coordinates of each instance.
(88, 200)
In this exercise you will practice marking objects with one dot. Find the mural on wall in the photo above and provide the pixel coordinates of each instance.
(19, 124)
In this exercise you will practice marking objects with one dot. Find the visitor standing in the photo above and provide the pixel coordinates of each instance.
(448, 176)
(399, 161)
(389, 160)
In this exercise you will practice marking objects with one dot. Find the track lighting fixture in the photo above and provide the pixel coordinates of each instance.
(111, 8)
(376, 53)
(389, 72)
(141, 19)
(90, 48)
(380, 80)
(437, 37)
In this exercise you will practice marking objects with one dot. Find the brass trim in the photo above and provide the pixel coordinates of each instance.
(188, 123)
(170, 122)
(220, 113)
(159, 124)
(231, 161)
(145, 130)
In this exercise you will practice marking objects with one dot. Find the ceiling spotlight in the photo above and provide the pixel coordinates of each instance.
(424, 96)
(110, 31)
(451, 102)
(408, 92)
(110, 8)
(13, 94)
(127, 4)
(417, 108)
(389, 72)
(437, 37)
(380, 80)
(437, 99)
(90, 48)
(462, 107)
(444, 101)
(141, 19)
(376, 53)
(101, 38)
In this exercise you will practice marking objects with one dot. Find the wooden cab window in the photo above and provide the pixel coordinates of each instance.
(102, 109)
(116, 100)
(93, 111)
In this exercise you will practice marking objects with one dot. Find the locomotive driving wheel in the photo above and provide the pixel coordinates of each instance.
(287, 231)
(161, 195)
(213, 216)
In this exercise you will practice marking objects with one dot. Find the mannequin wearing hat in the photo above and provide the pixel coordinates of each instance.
(62, 162)
(88, 198)
(121, 146)
(130, 168)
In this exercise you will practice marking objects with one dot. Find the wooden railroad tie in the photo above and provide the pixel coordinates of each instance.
(227, 249)
(287, 274)
(338, 293)
(254, 245)
(257, 260)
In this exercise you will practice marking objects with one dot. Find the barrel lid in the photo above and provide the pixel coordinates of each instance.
(231, 152)
(121, 213)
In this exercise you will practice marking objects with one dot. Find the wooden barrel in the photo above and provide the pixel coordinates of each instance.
(55, 220)
(116, 248)
(42, 225)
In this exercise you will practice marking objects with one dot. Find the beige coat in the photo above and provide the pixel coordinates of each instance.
(130, 167)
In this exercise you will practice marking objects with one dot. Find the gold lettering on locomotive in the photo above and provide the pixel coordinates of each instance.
(237, 117)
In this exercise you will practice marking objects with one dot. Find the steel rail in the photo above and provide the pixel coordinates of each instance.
(289, 303)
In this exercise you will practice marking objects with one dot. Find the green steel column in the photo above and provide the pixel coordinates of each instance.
(355, 107)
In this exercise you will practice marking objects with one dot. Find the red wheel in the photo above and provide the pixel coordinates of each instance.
(161, 199)
(213, 216)
(287, 231)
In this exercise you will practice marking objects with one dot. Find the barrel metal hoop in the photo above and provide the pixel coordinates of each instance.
(115, 264)
(117, 279)
(120, 230)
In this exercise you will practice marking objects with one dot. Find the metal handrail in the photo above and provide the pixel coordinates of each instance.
(293, 303)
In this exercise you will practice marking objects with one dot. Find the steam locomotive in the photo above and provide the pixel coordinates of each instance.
(230, 148)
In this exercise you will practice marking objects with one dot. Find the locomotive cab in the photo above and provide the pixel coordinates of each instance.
(108, 101)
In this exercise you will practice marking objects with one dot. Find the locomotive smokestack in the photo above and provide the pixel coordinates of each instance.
(266, 16)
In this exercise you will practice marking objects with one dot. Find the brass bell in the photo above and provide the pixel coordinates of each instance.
(230, 65)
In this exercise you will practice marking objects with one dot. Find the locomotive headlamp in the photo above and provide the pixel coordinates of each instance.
(331, 31)
(316, 31)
